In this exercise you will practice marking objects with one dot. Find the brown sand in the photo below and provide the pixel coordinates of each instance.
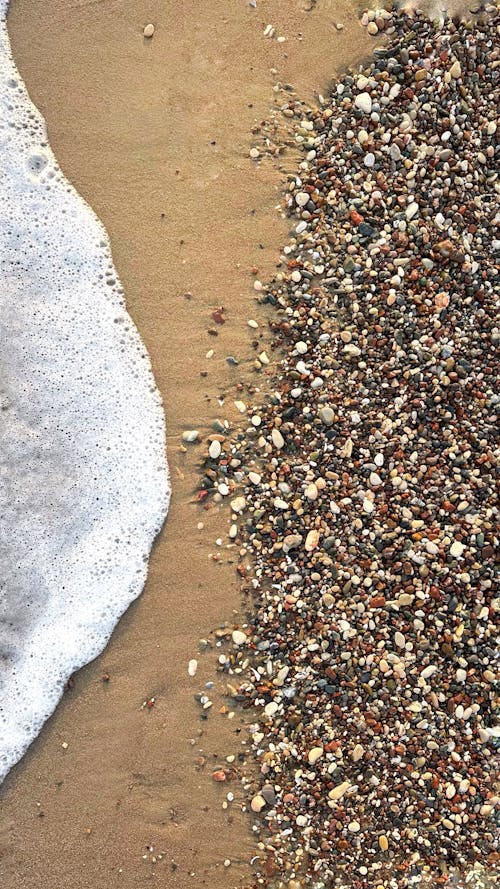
(144, 129)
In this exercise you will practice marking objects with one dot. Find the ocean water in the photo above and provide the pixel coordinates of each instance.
(83, 476)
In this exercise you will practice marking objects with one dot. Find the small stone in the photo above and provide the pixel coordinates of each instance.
(301, 198)
(269, 794)
(149, 30)
(291, 541)
(314, 754)
(456, 549)
(354, 826)
(357, 753)
(456, 70)
(239, 637)
(352, 351)
(190, 436)
(271, 708)
(258, 803)
(429, 671)
(277, 438)
(326, 415)
(312, 540)
(192, 667)
(372, 29)
(363, 101)
(383, 843)
(215, 449)
(338, 791)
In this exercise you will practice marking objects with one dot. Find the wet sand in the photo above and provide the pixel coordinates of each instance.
(155, 135)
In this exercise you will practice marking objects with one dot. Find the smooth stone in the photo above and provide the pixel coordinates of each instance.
(428, 671)
(271, 708)
(269, 794)
(357, 753)
(338, 791)
(363, 101)
(239, 638)
(301, 198)
(190, 436)
(258, 803)
(456, 549)
(215, 449)
(238, 504)
(314, 754)
(149, 30)
(326, 415)
(277, 438)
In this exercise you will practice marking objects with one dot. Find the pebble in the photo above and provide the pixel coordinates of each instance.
(190, 436)
(277, 438)
(357, 753)
(239, 638)
(363, 101)
(339, 791)
(383, 843)
(457, 549)
(257, 804)
(314, 754)
(302, 198)
(326, 415)
(149, 30)
(215, 449)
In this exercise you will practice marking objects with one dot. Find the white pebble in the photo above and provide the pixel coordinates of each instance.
(277, 438)
(214, 449)
(363, 101)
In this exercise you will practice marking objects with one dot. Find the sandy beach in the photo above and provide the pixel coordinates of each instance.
(155, 135)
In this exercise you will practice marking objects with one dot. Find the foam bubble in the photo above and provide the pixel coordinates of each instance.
(83, 475)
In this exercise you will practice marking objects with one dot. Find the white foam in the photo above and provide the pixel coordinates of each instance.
(83, 475)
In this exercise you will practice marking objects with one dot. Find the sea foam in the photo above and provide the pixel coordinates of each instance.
(83, 474)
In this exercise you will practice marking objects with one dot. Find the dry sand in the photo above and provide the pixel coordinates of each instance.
(155, 135)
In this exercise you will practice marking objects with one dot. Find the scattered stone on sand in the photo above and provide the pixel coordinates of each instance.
(367, 545)
(149, 30)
